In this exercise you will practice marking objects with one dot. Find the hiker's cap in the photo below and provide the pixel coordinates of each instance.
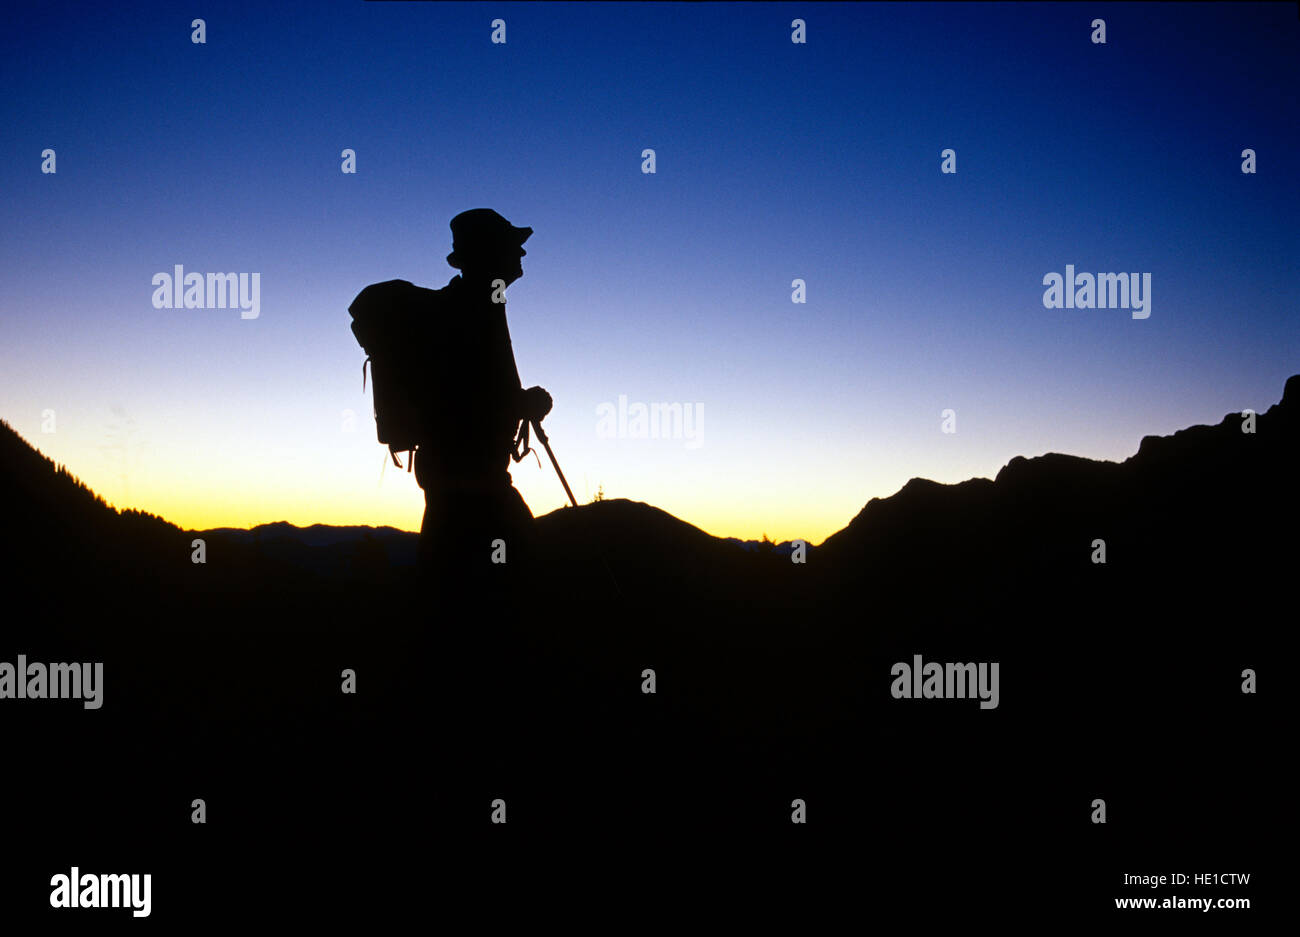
(481, 231)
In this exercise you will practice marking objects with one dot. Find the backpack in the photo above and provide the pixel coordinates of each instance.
(389, 320)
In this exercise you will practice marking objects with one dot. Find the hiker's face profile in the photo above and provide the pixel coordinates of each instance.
(506, 265)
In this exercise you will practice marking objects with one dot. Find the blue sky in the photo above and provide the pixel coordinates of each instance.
(775, 161)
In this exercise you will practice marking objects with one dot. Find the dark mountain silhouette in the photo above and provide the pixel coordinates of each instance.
(773, 683)
(1199, 463)
(784, 548)
(326, 550)
(302, 545)
(317, 535)
(48, 507)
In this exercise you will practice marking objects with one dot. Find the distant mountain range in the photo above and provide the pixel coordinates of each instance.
(784, 548)
(327, 550)
(922, 516)
(321, 548)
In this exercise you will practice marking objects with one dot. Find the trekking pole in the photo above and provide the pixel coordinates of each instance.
(546, 444)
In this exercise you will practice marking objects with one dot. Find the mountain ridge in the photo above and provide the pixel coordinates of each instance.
(23, 461)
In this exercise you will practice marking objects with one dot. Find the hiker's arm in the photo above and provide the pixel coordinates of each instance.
(533, 403)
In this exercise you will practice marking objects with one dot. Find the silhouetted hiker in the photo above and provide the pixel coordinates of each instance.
(452, 354)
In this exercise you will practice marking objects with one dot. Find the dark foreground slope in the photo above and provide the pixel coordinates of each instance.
(1119, 681)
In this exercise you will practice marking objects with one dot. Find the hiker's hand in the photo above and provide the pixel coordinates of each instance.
(537, 403)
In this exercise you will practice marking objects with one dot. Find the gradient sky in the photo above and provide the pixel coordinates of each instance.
(775, 161)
